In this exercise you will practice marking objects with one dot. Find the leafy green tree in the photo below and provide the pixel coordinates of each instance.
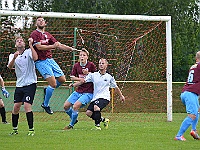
(185, 20)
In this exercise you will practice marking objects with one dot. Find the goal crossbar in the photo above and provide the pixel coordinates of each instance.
(166, 19)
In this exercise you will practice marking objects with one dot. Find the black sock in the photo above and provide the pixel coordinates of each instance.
(93, 116)
(3, 114)
(15, 118)
(97, 116)
(29, 117)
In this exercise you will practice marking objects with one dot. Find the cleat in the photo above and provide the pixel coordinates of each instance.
(179, 138)
(47, 109)
(31, 133)
(68, 127)
(5, 122)
(195, 135)
(97, 127)
(15, 132)
(106, 122)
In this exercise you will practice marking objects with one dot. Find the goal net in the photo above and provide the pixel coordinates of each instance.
(138, 49)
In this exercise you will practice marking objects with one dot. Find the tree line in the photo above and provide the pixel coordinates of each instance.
(185, 20)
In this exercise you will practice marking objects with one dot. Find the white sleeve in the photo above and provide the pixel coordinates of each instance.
(89, 77)
(113, 83)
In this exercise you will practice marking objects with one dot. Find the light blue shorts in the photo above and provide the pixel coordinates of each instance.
(48, 68)
(190, 100)
(84, 98)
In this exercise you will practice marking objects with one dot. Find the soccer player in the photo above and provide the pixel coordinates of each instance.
(84, 93)
(23, 62)
(189, 98)
(6, 94)
(102, 81)
(44, 42)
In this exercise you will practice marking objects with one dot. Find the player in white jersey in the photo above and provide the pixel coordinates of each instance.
(6, 94)
(102, 82)
(23, 62)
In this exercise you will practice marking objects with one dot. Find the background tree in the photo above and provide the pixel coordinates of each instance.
(185, 20)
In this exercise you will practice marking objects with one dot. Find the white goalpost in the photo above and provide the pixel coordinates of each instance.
(168, 39)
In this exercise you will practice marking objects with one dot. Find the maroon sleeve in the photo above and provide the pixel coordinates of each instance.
(74, 71)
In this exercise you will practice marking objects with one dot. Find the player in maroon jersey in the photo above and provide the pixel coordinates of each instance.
(84, 93)
(189, 98)
(44, 42)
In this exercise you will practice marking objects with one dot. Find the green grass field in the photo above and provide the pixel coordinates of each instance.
(127, 131)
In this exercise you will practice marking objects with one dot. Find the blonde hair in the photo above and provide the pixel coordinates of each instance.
(84, 50)
(198, 55)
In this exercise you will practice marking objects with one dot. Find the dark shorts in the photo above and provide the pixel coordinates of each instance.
(25, 94)
(101, 103)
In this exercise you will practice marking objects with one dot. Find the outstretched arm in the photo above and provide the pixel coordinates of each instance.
(81, 81)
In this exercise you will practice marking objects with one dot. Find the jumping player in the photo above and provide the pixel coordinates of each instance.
(44, 42)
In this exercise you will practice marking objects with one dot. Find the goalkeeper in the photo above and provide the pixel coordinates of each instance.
(102, 81)
(6, 94)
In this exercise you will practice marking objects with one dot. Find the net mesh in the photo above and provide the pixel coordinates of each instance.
(135, 50)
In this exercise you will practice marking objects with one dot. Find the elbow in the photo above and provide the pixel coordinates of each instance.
(10, 67)
(35, 58)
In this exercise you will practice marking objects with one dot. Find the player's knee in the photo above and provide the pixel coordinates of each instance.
(77, 105)
(66, 106)
(192, 116)
(96, 108)
(89, 113)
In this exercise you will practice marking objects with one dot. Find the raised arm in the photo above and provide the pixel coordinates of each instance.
(34, 53)
(12, 62)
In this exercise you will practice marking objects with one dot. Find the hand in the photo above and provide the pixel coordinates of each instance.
(5, 93)
(30, 40)
(16, 54)
(71, 85)
(85, 71)
(122, 98)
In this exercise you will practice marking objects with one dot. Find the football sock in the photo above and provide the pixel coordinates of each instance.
(69, 112)
(97, 116)
(15, 118)
(195, 122)
(74, 117)
(93, 116)
(49, 92)
(29, 117)
(185, 125)
(3, 114)
(57, 83)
